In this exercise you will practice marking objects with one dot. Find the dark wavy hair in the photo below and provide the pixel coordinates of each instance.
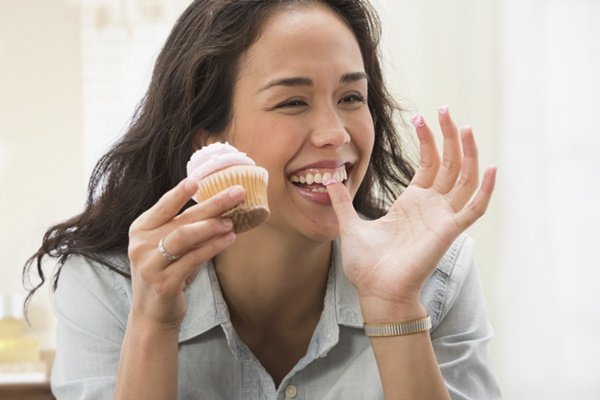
(191, 89)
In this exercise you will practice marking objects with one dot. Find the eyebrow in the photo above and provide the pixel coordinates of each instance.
(305, 81)
(353, 77)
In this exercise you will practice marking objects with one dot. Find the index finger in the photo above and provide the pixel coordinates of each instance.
(341, 202)
(167, 207)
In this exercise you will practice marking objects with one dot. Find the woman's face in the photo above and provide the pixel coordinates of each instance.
(300, 111)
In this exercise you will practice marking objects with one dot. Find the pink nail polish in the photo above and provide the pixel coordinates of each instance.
(443, 110)
(329, 181)
(417, 120)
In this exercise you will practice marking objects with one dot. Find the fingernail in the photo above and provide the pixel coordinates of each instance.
(230, 237)
(236, 192)
(329, 181)
(417, 120)
(443, 110)
(227, 223)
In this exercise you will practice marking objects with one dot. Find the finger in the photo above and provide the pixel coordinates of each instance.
(429, 159)
(477, 207)
(469, 175)
(341, 202)
(451, 158)
(187, 237)
(214, 206)
(183, 270)
(198, 225)
(167, 207)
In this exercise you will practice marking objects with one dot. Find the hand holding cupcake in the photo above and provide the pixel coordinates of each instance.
(220, 165)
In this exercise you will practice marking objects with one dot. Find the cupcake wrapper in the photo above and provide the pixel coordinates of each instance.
(255, 208)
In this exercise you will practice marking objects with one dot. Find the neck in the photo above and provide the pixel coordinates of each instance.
(281, 287)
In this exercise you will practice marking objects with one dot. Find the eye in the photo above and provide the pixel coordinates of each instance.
(292, 103)
(353, 98)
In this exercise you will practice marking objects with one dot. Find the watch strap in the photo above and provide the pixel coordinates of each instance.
(398, 328)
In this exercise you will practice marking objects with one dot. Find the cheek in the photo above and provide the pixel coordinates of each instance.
(275, 149)
(266, 140)
(362, 131)
(269, 154)
(364, 142)
(367, 146)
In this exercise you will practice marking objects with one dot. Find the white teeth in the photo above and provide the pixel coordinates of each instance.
(321, 189)
(339, 175)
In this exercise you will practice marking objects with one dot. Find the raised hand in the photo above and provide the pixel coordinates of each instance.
(389, 259)
(159, 276)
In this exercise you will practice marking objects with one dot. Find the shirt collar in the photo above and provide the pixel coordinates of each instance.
(207, 308)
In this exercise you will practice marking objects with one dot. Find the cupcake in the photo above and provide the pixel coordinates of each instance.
(218, 166)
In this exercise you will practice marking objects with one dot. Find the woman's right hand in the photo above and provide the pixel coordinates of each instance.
(196, 235)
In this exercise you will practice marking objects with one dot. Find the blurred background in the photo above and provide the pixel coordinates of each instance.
(523, 73)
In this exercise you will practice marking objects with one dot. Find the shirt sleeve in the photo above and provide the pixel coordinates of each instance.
(461, 336)
(91, 317)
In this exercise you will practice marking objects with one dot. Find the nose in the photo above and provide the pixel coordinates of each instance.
(329, 129)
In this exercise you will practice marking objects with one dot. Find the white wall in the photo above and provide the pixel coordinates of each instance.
(548, 281)
(66, 91)
(40, 134)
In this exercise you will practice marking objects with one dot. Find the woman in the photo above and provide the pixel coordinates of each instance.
(277, 311)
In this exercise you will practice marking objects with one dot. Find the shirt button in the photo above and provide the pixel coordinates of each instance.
(291, 392)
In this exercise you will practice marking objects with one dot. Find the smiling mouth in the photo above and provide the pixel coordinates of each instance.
(313, 179)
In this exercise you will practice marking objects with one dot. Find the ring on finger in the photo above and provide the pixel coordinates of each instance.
(163, 252)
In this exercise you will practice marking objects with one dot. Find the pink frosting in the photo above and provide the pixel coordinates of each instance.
(214, 157)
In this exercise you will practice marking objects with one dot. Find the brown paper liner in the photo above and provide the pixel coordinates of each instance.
(255, 208)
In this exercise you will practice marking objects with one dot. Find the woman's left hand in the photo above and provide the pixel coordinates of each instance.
(390, 259)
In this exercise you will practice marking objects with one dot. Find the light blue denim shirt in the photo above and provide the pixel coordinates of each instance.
(92, 305)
